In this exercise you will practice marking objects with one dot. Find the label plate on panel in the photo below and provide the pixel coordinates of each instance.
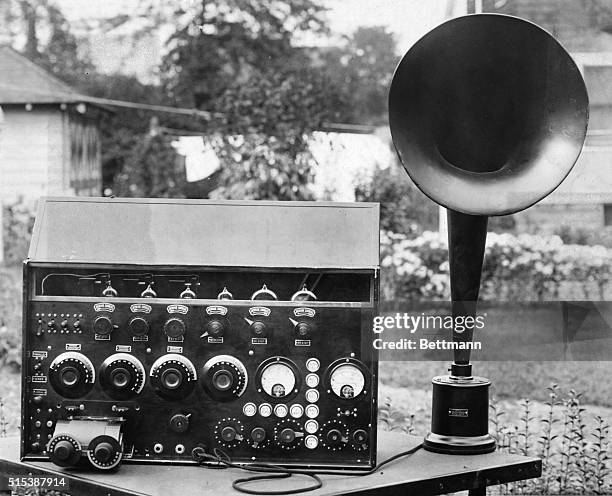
(104, 307)
(265, 311)
(140, 308)
(177, 309)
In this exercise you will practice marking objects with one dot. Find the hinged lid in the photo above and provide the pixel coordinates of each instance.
(206, 233)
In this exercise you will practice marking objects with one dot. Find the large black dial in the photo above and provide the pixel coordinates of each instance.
(64, 450)
(122, 376)
(224, 377)
(104, 452)
(72, 374)
(173, 376)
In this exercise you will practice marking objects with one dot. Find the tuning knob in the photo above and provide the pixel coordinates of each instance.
(64, 450)
(174, 328)
(173, 376)
(104, 452)
(335, 435)
(360, 440)
(122, 376)
(258, 328)
(72, 374)
(216, 328)
(138, 326)
(288, 434)
(258, 436)
(179, 423)
(229, 432)
(103, 325)
(302, 330)
(224, 377)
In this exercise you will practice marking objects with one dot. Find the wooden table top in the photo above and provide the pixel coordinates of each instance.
(420, 473)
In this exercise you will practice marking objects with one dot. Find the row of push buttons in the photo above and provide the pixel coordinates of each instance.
(281, 410)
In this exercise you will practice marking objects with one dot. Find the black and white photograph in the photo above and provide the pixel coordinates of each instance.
(319, 247)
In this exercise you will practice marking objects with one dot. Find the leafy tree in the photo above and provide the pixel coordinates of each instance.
(153, 170)
(58, 51)
(237, 59)
(364, 68)
(122, 129)
(220, 43)
(263, 134)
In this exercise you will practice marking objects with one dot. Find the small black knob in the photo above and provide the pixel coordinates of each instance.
(334, 436)
(228, 434)
(138, 326)
(287, 436)
(215, 328)
(258, 328)
(35, 447)
(258, 434)
(302, 329)
(63, 450)
(104, 452)
(37, 400)
(103, 325)
(179, 423)
(360, 436)
(174, 328)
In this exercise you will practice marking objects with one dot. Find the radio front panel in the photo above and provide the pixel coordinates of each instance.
(289, 382)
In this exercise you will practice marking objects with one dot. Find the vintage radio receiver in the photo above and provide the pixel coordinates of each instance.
(152, 327)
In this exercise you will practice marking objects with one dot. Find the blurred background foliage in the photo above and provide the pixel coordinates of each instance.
(238, 60)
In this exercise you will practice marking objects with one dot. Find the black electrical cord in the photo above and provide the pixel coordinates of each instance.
(277, 472)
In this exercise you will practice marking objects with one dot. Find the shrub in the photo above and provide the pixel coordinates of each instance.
(522, 268)
(18, 220)
(403, 208)
(10, 317)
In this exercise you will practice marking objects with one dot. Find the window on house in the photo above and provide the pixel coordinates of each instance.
(607, 214)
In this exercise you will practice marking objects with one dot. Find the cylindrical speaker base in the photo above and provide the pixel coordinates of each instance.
(449, 445)
(460, 416)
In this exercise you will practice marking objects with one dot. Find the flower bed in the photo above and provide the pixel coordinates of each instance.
(516, 268)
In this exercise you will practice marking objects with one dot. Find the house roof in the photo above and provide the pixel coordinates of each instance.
(22, 81)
